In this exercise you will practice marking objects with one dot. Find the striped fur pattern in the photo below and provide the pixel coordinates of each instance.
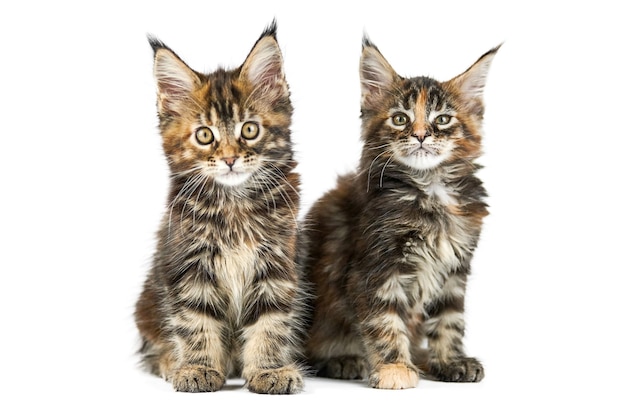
(389, 248)
(223, 297)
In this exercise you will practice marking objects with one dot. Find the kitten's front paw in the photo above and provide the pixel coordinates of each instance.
(458, 370)
(344, 367)
(197, 379)
(285, 380)
(394, 376)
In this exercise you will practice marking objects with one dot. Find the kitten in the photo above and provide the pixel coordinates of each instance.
(389, 248)
(223, 297)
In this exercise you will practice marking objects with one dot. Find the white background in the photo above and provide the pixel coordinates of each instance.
(83, 187)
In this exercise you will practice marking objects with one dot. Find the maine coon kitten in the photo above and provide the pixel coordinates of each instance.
(389, 248)
(223, 297)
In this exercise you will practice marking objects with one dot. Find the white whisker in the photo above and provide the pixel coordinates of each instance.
(369, 171)
(382, 171)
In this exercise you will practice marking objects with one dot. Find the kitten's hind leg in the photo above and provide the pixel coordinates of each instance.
(156, 351)
(461, 369)
(342, 367)
(334, 350)
(156, 358)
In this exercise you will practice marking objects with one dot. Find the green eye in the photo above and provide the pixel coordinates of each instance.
(443, 119)
(204, 136)
(250, 130)
(399, 119)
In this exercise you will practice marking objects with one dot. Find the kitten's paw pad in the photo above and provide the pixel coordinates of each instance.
(286, 380)
(459, 370)
(197, 379)
(394, 376)
(345, 367)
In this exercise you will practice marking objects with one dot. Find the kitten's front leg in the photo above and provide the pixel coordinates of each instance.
(199, 351)
(386, 316)
(445, 330)
(270, 344)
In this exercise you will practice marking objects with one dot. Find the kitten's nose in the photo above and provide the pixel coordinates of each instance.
(229, 160)
(421, 135)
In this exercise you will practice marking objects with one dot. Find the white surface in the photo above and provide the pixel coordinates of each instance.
(83, 186)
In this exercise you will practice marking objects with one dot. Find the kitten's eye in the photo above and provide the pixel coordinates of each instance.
(399, 119)
(250, 130)
(443, 119)
(204, 136)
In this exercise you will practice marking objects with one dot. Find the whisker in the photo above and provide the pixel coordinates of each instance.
(382, 171)
(369, 171)
(268, 174)
(262, 183)
(199, 194)
(185, 193)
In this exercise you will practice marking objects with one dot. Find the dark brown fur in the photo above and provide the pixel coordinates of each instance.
(388, 250)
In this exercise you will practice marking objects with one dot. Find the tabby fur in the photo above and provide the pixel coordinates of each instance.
(223, 297)
(388, 250)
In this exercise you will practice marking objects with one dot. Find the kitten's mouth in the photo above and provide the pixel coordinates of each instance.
(232, 178)
(421, 151)
(422, 157)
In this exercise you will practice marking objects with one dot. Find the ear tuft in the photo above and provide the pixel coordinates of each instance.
(377, 75)
(175, 80)
(263, 68)
(471, 83)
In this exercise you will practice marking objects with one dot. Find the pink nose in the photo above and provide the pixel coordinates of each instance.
(421, 134)
(229, 160)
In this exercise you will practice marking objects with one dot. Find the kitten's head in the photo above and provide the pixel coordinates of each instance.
(229, 126)
(419, 122)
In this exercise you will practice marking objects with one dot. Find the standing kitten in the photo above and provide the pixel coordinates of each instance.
(389, 248)
(223, 297)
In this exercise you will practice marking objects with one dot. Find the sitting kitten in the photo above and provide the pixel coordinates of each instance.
(223, 297)
(388, 250)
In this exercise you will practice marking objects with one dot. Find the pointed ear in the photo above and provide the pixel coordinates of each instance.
(377, 75)
(263, 69)
(175, 80)
(471, 83)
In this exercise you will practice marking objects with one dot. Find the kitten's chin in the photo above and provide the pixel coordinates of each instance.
(232, 179)
(422, 160)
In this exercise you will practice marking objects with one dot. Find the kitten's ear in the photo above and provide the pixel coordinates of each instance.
(263, 68)
(377, 75)
(471, 83)
(175, 80)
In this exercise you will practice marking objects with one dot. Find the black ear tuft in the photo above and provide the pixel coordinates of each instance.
(270, 30)
(155, 43)
(263, 68)
(471, 83)
(366, 42)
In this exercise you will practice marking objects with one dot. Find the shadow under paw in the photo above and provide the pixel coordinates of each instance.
(457, 370)
(343, 367)
(286, 380)
(197, 379)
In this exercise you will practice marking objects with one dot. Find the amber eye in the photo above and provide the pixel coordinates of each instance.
(399, 119)
(204, 136)
(443, 119)
(250, 130)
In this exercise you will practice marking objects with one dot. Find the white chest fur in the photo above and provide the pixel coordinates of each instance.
(443, 193)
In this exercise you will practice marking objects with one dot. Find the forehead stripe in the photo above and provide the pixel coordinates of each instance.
(420, 106)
